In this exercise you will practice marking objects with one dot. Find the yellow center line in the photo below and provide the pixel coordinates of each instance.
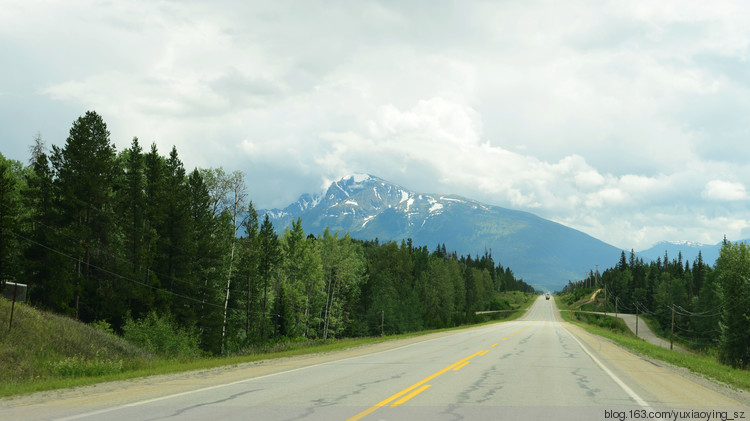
(390, 399)
(420, 386)
(494, 345)
(412, 394)
(458, 367)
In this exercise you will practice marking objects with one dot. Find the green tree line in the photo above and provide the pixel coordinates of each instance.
(710, 305)
(103, 235)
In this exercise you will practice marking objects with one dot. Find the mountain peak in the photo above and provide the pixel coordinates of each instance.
(369, 207)
(356, 177)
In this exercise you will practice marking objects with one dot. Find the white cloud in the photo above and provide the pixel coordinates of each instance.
(621, 119)
(724, 191)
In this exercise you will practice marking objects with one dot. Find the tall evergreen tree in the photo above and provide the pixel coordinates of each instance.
(207, 264)
(85, 170)
(9, 213)
(175, 246)
(733, 272)
(132, 205)
(41, 265)
(249, 280)
(269, 255)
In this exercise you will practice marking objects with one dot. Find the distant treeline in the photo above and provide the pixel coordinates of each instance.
(710, 306)
(111, 236)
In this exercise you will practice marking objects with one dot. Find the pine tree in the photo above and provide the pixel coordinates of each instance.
(207, 264)
(248, 278)
(41, 265)
(733, 272)
(132, 218)
(85, 170)
(269, 256)
(133, 205)
(154, 214)
(175, 245)
(9, 210)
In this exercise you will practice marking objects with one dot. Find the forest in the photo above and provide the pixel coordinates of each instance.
(704, 307)
(113, 237)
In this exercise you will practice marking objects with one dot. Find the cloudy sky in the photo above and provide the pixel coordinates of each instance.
(627, 120)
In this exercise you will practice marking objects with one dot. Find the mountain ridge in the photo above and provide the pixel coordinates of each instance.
(544, 253)
(369, 207)
(688, 249)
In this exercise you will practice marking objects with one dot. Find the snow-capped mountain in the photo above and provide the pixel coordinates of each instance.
(542, 252)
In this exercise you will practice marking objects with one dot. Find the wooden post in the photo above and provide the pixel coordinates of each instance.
(615, 309)
(13, 305)
(671, 334)
(636, 321)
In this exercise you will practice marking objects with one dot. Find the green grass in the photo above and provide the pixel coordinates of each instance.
(44, 351)
(702, 364)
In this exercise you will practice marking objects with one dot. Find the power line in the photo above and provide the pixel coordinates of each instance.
(58, 231)
(154, 288)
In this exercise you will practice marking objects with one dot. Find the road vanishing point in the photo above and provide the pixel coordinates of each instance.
(537, 367)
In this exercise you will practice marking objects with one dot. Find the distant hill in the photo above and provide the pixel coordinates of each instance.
(544, 253)
(689, 250)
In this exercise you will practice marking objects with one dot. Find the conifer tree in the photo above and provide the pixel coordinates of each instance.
(268, 257)
(175, 246)
(41, 265)
(85, 170)
(733, 272)
(9, 210)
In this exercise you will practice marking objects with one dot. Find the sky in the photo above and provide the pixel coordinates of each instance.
(627, 120)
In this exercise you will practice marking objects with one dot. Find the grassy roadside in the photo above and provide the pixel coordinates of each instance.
(44, 351)
(701, 364)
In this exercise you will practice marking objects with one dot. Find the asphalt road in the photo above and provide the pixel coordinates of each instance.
(534, 368)
(641, 329)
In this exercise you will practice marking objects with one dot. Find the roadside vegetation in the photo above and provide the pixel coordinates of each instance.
(703, 309)
(705, 364)
(45, 351)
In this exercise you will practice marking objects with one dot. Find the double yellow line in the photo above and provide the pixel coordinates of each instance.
(421, 385)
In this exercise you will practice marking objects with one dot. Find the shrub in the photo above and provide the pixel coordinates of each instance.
(78, 366)
(161, 335)
(102, 325)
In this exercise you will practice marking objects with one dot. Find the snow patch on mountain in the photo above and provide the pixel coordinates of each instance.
(686, 243)
(409, 203)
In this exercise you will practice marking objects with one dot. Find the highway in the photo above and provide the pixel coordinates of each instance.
(537, 367)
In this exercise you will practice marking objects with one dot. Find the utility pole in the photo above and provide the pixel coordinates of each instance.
(637, 310)
(596, 277)
(606, 300)
(671, 334)
(382, 322)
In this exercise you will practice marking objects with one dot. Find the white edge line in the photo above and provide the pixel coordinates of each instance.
(640, 401)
